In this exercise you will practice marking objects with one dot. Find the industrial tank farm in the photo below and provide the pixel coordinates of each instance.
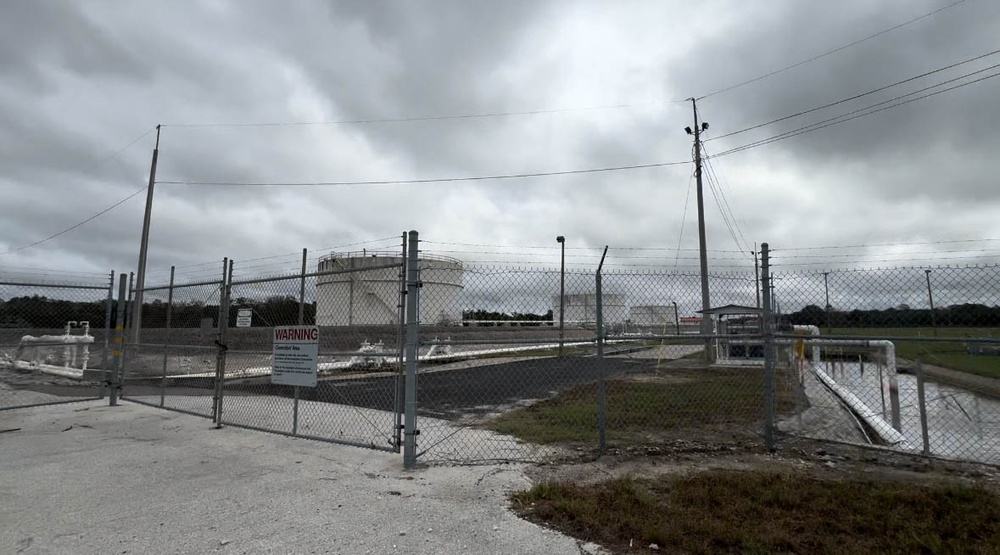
(581, 309)
(362, 289)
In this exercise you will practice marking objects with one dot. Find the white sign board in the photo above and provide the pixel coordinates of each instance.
(244, 317)
(295, 354)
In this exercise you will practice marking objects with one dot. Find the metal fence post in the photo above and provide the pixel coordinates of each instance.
(108, 313)
(769, 358)
(170, 306)
(114, 379)
(601, 395)
(397, 439)
(302, 308)
(131, 302)
(220, 342)
(410, 431)
(921, 402)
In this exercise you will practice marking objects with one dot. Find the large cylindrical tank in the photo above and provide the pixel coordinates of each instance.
(355, 289)
(653, 315)
(581, 309)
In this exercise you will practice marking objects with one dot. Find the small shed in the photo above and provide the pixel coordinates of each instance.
(736, 320)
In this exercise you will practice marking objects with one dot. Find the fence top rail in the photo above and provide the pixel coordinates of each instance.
(57, 285)
(300, 275)
(179, 286)
(423, 255)
(893, 338)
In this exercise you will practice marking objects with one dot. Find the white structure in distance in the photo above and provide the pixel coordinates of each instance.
(362, 289)
(581, 309)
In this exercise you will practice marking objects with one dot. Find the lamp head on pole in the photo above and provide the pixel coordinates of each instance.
(560, 239)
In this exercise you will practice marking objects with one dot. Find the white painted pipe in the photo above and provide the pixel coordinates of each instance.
(887, 433)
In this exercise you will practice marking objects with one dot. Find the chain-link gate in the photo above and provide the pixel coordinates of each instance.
(54, 340)
(355, 300)
(171, 361)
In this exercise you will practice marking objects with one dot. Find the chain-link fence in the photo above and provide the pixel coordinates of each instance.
(545, 361)
(54, 336)
(456, 362)
(909, 357)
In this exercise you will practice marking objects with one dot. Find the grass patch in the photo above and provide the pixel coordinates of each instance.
(947, 354)
(643, 407)
(768, 512)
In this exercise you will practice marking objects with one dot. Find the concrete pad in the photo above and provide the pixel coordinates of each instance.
(88, 478)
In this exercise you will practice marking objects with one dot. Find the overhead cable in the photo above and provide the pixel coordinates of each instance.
(829, 52)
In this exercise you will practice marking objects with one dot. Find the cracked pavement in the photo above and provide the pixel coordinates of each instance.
(88, 478)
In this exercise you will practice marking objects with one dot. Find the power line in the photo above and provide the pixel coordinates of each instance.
(712, 176)
(362, 121)
(887, 244)
(97, 215)
(67, 230)
(894, 260)
(433, 180)
(290, 254)
(680, 235)
(866, 112)
(855, 97)
(978, 252)
(834, 51)
(612, 247)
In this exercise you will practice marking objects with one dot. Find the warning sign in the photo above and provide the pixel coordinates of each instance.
(244, 317)
(295, 355)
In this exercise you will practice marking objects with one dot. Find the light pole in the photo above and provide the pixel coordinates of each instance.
(562, 292)
(677, 318)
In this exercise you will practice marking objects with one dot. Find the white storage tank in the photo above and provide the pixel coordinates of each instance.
(581, 309)
(653, 316)
(362, 289)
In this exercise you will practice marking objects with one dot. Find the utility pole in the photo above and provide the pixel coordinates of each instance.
(706, 320)
(930, 300)
(140, 279)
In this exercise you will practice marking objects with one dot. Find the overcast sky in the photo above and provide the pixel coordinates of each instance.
(80, 80)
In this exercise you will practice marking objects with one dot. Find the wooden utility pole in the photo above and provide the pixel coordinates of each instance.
(706, 319)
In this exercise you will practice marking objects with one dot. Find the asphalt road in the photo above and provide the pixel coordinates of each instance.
(453, 394)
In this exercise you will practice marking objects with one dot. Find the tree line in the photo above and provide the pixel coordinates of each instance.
(42, 312)
(902, 316)
(480, 317)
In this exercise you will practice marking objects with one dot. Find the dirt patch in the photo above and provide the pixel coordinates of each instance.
(817, 458)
